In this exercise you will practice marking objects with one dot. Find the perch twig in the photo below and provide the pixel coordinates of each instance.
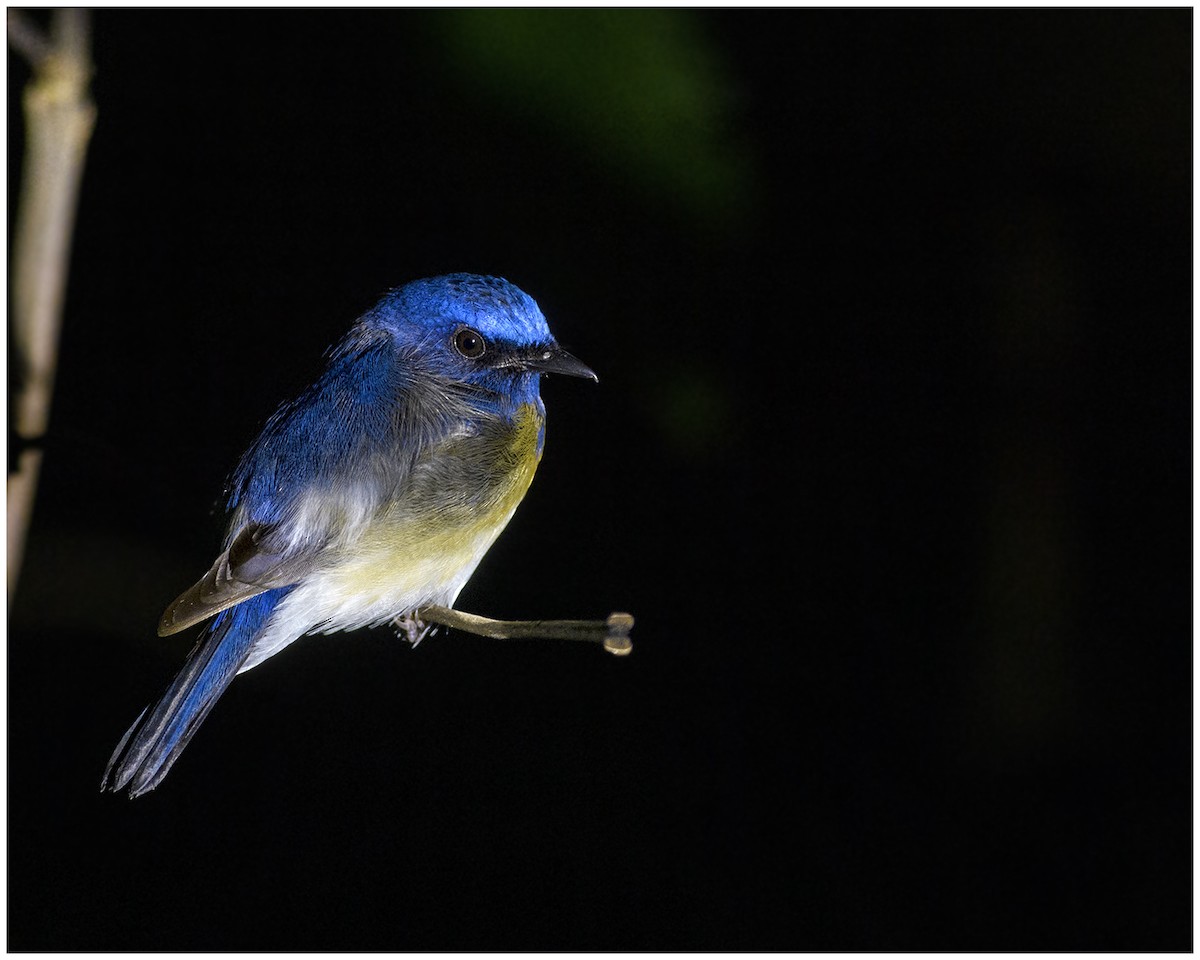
(612, 633)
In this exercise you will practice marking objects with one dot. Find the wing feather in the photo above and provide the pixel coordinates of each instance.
(252, 564)
(292, 498)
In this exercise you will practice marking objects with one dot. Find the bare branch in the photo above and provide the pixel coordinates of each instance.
(59, 117)
(613, 633)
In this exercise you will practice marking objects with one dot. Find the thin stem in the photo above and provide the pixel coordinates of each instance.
(59, 117)
(613, 633)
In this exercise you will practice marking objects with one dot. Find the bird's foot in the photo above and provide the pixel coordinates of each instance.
(412, 628)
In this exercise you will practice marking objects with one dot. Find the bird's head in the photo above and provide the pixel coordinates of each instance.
(481, 331)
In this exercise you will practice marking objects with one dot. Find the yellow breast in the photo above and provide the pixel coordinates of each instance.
(423, 548)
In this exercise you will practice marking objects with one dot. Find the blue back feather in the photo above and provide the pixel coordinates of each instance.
(308, 440)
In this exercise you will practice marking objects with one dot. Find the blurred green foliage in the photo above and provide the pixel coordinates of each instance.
(693, 408)
(645, 91)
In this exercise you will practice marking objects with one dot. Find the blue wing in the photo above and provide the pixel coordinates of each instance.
(306, 448)
(354, 435)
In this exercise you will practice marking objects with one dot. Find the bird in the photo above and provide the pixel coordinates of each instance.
(374, 493)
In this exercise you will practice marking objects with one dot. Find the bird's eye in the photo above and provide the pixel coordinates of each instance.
(469, 343)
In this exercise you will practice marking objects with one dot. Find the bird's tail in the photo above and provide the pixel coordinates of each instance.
(160, 733)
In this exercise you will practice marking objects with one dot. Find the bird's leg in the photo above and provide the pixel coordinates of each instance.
(412, 628)
(613, 633)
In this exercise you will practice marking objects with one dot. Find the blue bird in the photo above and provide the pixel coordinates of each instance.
(372, 495)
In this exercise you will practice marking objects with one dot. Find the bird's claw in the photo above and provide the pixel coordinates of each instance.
(412, 628)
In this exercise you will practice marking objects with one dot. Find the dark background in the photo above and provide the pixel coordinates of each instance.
(890, 457)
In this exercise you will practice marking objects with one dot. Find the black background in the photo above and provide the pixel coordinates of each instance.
(890, 457)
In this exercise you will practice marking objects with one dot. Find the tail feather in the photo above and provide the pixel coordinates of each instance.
(158, 736)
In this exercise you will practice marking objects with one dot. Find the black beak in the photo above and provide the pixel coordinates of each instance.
(554, 359)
